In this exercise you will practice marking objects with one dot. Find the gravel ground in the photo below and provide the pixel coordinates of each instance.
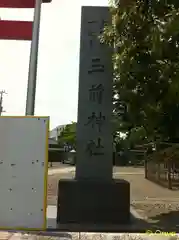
(157, 205)
(94, 236)
(161, 215)
(156, 209)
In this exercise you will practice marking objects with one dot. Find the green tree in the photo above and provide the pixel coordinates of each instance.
(146, 65)
(68, 135)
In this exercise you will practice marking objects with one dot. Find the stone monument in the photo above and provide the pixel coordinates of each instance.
(94, 138)
(93, 196)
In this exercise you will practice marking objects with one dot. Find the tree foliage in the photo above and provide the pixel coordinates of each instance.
(146, 66)
(68, 135)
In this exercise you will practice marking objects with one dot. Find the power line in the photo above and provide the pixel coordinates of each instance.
(1, 101)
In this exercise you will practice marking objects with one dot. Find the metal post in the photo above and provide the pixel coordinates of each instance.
(31, 88)
(1, 102)
(1, 99)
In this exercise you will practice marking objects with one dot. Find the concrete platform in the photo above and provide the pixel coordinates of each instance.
(77, 232)
(137, 224)
(88, 202)
(51, 217)
(87, 236)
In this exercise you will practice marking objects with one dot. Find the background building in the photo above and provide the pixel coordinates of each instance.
(54, 133)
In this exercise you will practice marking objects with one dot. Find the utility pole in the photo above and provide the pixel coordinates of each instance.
(31, 88)
(1, 101)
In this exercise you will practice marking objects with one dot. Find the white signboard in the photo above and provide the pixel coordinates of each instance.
(23, 172)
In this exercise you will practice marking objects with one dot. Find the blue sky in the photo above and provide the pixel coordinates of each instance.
(58, 65)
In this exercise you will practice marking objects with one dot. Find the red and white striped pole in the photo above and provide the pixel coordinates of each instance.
(25, 30)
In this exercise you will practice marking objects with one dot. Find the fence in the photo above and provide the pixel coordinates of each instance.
(164, 171)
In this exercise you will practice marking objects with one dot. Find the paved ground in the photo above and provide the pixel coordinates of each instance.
(157, 205)
(160, 206)
(56, 173)
(88, 236)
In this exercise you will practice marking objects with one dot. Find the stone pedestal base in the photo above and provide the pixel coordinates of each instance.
(93, 202)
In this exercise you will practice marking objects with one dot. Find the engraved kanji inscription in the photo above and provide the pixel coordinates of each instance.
(96, 93)
(96, 66)
(97, 30)
(99, 25)
(95, 120)
(94, 148)
(103, 24)
(91, 33)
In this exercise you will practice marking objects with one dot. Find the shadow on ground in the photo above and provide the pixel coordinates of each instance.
(167, 222)
(162, 222)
